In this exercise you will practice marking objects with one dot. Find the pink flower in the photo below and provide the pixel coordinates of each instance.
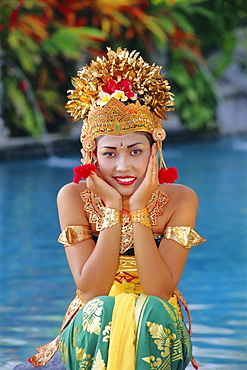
(168, 175)
(83, 171)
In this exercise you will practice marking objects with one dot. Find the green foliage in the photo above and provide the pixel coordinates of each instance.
(38, 60)
(43, 41)
(198, 51)
(218, 31)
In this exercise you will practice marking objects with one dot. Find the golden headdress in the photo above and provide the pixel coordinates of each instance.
(117, 94)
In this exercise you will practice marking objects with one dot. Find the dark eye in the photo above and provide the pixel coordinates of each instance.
(109, 154)
(135, 151)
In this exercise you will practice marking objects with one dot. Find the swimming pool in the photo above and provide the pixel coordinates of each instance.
(36, 285)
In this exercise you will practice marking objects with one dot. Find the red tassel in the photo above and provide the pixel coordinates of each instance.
(83, 172)
(168, 175)
(194, 363)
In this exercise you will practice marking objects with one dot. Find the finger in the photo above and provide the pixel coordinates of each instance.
(154, 162)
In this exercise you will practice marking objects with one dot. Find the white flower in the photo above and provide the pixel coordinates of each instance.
(103, 98)
(120, 95)
(134, 97)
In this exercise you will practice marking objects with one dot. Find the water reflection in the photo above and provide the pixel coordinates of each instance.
(36, 285)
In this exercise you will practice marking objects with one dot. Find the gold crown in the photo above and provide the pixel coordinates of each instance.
(116, 118)
(119, 77)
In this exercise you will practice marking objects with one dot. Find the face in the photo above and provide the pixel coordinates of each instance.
(123, 160)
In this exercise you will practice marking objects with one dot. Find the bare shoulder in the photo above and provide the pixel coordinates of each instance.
(182, 205)
(71, 190)
(70, 206)
(180, 194)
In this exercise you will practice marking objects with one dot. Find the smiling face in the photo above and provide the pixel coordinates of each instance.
(123, 160)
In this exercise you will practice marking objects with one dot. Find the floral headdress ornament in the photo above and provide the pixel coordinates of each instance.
(117, 94)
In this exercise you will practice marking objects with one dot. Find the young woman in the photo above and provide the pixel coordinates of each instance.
(127, 229)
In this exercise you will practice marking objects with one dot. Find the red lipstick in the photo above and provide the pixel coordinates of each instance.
(125, 180)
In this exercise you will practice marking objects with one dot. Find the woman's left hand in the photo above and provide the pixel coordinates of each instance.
(139, 199)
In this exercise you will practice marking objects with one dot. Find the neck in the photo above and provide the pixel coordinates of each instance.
(126, 203)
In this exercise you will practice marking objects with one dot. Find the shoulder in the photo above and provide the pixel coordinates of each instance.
(71, 190)
(182, 205)
(180, 194)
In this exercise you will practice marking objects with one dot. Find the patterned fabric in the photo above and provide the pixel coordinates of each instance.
(126, 330)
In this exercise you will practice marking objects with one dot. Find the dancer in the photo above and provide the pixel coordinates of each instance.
(126, 228)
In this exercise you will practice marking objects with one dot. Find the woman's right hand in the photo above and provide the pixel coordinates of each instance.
(110, 196)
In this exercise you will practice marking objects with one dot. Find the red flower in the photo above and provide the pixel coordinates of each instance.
(124, 85)
(110, 87)
(83, 172)
(129, 94)
(168, 175)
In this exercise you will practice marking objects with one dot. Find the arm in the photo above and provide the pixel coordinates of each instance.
(160, 268)
(93, 266)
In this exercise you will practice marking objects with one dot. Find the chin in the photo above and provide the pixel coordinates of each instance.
(126, 190)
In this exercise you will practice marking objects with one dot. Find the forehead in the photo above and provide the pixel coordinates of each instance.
(127, 139)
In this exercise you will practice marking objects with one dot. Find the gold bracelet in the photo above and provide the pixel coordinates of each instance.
(141, 216)
(111, 217)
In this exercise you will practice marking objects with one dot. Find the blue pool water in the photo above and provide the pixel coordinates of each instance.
(36, 285)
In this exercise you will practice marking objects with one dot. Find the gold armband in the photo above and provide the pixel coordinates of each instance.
(111, 217)
(185, 236)
(74, 234)
(141, 216)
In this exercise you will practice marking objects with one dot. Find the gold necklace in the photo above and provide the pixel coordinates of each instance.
(94, 206)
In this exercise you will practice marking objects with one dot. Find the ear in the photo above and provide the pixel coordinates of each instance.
(94, 156)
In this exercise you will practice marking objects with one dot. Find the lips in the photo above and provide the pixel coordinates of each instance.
(125, 180)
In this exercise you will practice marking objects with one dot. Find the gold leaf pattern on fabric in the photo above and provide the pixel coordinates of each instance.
(85, 359)
(91, 316)
(155, 363)
(95, 207)
(99, 363)
(106, 333)
(75, 334)
(64, 353)
(163, 335)
(79, 353)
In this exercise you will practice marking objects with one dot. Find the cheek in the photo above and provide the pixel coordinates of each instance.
(104, 166)
(143, 163)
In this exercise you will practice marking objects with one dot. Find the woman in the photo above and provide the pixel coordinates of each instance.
(127, 229)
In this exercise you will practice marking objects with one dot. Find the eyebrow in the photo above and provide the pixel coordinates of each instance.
(114, 147)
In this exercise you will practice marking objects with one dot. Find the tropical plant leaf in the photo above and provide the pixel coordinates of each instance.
(29, 119)
(70, 41)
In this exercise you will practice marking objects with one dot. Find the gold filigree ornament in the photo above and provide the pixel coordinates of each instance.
(118, 94)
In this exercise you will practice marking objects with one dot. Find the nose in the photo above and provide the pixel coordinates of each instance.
(123, 163)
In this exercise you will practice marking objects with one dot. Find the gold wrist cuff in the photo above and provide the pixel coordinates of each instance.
(111, 217)
(184, 235)
(141, 216)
